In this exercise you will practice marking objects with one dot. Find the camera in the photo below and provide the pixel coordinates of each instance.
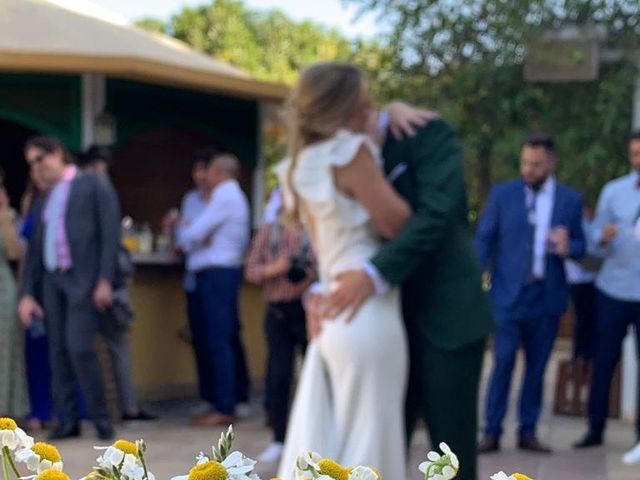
(298, 270)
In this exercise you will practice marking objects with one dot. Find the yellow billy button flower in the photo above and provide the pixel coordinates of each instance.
(127, 447)
(46, 452)
(521, 476)
(7, 423)
(334, 469)
(51, 474)
(208, 471)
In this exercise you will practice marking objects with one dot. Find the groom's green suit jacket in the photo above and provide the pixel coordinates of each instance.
(433, 257)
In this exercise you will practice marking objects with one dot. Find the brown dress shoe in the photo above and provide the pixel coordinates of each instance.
(532, 444)
(213, 420)
(488, 445)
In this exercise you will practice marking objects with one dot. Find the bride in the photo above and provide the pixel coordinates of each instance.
(350, 400)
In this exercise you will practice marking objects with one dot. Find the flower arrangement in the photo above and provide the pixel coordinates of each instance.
(125, 460)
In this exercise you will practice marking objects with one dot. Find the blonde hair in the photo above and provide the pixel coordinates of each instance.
(325, 98)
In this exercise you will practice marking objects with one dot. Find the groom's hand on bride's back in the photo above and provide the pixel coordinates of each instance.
(354, 288)
(314, 307)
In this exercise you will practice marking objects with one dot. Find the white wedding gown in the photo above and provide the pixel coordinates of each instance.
(350, 399)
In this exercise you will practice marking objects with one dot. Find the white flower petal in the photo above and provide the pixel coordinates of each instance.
(33, 463)
(363, 473)
(500, 476)
(180, 477)
(234, 458)
(433, 456)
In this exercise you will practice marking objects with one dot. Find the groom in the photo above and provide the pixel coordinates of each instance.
(447, 316)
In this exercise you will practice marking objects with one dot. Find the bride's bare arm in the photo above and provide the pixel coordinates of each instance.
(363, 180)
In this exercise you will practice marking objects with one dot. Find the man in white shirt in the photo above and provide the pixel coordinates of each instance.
(215, 243)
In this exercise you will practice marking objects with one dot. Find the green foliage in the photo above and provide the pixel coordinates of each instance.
(465, 59)
(152, 25)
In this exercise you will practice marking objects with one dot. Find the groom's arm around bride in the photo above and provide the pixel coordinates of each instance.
(447, 315)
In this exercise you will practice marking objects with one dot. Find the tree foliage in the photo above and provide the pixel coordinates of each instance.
(465, 58)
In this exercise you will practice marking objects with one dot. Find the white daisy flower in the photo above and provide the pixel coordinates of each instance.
(440, 467)
(116, 454)
(235, 467)
(41, 456)
(13, 437)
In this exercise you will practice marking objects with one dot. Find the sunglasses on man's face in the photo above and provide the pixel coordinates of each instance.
(37, 159)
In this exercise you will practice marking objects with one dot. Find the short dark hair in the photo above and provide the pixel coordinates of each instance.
(540, 139)
(98, 153)
(635, 135)
(49, 144)
(205, 154)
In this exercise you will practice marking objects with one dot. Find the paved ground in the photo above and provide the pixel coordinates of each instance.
(172, 446)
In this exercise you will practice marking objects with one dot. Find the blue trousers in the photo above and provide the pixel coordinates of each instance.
(613, 320)
(528, 327)
(215, 331)
(206, 386)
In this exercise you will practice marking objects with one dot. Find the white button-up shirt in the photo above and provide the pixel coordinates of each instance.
(542, 218)
(219, 236)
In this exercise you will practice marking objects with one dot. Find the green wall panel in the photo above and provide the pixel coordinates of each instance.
(140, 107)
(50, 104)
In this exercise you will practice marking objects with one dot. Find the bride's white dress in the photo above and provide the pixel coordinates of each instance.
(350, 399)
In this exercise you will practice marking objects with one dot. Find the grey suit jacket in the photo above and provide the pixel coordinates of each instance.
(93, 232)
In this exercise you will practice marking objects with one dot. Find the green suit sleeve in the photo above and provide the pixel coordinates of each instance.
(436, 164)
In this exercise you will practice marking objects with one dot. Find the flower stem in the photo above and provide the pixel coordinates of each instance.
(144, 465)
(10, 461)
(5, 471)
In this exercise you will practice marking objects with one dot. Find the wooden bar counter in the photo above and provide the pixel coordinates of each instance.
(163, 363)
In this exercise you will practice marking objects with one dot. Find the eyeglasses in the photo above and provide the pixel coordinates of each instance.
(36, 160)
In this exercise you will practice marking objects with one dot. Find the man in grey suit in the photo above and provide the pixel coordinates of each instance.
(73, 253)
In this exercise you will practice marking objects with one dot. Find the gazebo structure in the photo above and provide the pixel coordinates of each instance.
(85, 75)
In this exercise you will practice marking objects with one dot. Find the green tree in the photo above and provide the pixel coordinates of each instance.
(152, 24)
(465, 58)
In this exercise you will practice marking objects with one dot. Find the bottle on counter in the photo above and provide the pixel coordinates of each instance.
(129, 235)
(145, 240)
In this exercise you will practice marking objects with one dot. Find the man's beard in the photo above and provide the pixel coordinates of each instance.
(537, 185)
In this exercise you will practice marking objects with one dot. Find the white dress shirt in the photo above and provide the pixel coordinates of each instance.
(219, 236)
(544, 201)
(193, 204)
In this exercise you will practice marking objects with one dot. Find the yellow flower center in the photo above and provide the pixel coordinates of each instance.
(127, 447)
(521, 476)
(334, 469)
(46, 452)
(208, 471)
(51, 474)
(8, 424)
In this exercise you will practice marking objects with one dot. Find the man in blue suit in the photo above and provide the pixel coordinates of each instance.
(529, 226)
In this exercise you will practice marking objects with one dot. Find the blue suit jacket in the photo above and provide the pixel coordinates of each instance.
(502, 242)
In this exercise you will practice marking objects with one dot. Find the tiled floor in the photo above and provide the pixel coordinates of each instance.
(172, 446)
